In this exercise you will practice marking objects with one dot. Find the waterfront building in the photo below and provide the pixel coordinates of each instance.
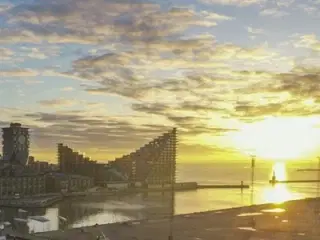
(75, 163)
(60, 182)
(40, 166)
(15, 144)
(72, 162)
(152, 164)
(22, 185)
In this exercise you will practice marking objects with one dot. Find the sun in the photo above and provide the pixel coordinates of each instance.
(278, 138)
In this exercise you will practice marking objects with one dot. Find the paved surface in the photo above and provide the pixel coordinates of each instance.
(294, 220)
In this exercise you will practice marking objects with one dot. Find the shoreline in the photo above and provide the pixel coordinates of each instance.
(227, 215)
(50, 199)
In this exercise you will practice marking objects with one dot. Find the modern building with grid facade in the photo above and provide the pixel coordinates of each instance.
(152, 164)
(71, 162)
(23, 185)
(15, 144)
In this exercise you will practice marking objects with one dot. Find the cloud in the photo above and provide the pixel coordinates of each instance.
(233, 2)
(255, 30)
(189, 119)
(67, 89)
(284, 3)
(312, 10)
(70, 21)
(18, 73)
(131, 74)
(5, 53)
(216, 16)
(32, 81)
(8, 57)
(40, 52)
(273, 12)
(84, 132)
(308, 41)
(285, 94)
(5, 7)
(80, 22)
(57, 103)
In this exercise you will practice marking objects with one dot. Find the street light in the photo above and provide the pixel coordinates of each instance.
(253, 163)
(318, 184)
(170, 237)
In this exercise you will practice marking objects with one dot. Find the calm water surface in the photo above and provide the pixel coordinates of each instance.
(91, 210)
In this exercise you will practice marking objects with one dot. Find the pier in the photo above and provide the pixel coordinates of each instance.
(308, 170)
(188, 186)
(212, 186)
(294, 181)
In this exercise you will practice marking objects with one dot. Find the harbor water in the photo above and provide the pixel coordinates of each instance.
(90, 210)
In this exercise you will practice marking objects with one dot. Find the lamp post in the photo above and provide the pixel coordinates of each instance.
(318, 184)
(170, 237)
(253, 163)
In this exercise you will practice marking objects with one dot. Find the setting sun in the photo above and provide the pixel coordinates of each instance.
(278, 138)
(280, 192)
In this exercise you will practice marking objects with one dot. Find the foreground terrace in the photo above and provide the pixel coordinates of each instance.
(290, 220)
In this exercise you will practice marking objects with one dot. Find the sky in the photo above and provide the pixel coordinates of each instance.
(235, 77)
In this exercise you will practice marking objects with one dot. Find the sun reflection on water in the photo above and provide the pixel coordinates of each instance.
(278, 193)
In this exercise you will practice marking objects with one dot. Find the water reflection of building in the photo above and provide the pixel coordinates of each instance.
(77, 210)
(154, 163)
(87, 210)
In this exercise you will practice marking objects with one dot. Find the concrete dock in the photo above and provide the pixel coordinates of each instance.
(294, 181)
(217, 186)
(292, 220)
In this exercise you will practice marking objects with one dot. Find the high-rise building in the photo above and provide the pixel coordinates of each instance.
(15, 144)
(152, 164)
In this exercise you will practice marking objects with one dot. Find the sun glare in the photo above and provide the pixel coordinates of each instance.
(278, 193)
(278, 138)
(279, 170)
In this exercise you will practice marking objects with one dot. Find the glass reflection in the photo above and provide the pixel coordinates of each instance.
(278, 193)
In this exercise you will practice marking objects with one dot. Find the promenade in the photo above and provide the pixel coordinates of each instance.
(31, 202)
(292, 220)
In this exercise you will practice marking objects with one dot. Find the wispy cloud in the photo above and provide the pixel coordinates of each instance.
(18, 73)
(127, 71)
(273, 12)
(233, 2)
(308, 41)
(255, 30)
(42, 52)
(57, 103)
